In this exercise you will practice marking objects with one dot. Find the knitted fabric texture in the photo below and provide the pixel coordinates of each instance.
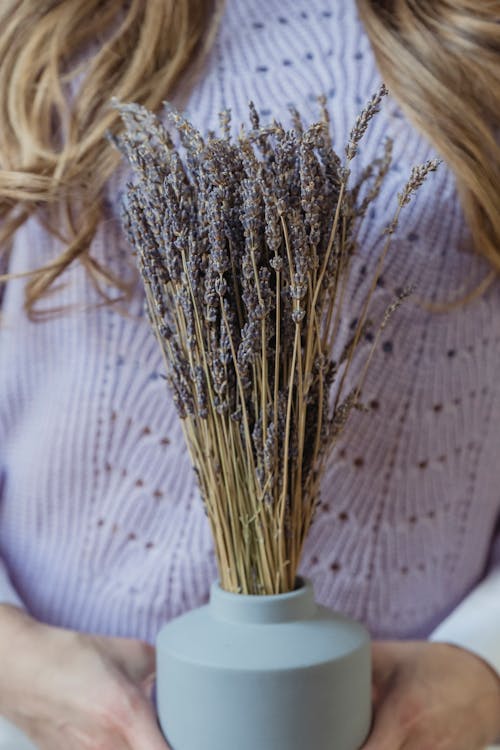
(101, 524)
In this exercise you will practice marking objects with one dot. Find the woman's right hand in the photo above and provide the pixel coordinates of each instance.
(69, 690)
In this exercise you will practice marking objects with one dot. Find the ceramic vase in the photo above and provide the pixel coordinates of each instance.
(274, 672)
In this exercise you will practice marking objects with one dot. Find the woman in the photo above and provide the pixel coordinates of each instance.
(102, 536)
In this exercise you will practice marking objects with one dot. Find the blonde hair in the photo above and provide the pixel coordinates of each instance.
(439, 58)
(54, 158)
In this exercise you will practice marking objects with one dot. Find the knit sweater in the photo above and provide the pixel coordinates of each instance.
(102, 528)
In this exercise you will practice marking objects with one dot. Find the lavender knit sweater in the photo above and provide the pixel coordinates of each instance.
(101, 524)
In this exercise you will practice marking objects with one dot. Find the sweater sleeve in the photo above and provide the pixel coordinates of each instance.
(475, 623)
(8, 594)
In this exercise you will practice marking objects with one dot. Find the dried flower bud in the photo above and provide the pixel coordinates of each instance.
(417, 179)
(276, 263)
(221, 286)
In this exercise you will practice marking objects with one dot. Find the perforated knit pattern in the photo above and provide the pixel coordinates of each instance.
(101, 525)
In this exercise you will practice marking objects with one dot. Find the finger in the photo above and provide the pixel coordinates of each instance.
(144, 732)
(72, 737)
(148, 686)
(384, 660)
(386, 733)
(136, 658)
(383, 668)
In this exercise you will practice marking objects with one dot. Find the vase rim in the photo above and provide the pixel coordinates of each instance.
(301, 582)
(263, 608)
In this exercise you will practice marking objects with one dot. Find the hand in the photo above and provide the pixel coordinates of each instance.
(432, 696)
(69, 690)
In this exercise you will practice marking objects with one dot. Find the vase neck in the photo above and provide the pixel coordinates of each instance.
(248, 608)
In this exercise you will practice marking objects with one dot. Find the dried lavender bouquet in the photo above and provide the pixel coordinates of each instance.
(244, 247)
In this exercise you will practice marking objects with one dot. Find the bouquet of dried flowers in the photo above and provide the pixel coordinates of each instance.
(244, 248)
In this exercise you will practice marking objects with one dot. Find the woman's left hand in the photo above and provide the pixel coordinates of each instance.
(432, 696)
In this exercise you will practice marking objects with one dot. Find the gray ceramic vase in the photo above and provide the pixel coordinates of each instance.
(264, 673)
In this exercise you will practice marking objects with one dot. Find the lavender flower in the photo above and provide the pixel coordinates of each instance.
(244, 248)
